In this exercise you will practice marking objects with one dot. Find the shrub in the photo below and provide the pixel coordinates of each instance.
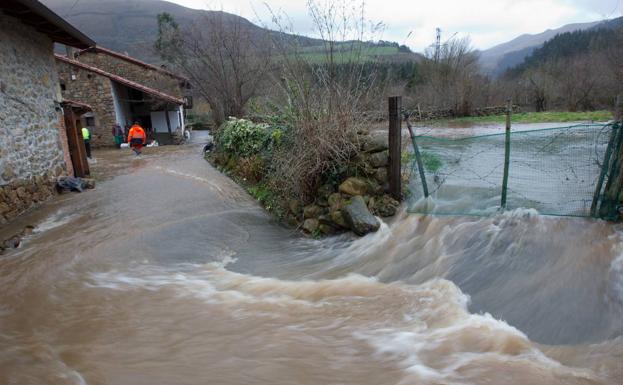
(251, 169)
(243, 138)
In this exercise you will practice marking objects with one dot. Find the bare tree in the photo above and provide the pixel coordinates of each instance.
(325, 90)
(449, 77)
(224, 58)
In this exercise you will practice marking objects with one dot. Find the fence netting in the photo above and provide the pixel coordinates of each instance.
(552, 170)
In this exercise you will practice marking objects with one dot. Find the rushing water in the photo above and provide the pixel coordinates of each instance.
(168, 273)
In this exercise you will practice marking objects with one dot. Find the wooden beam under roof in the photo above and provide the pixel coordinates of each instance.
(34, 13)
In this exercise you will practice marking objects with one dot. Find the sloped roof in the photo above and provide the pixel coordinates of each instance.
(44, 20)
(155, 93)
(76, 104)
(100, 49)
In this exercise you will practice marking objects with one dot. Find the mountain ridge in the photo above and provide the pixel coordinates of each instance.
(130, 26)
(490, 59)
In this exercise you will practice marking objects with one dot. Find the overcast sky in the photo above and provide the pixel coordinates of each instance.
(413, 22)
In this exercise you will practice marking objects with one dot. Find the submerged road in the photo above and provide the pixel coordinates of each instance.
(169, 273)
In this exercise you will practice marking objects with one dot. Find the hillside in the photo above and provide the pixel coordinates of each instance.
(497, 59)
(130, 26)
(572, 44)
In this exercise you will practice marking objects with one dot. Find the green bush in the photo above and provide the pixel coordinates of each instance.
(244, 138)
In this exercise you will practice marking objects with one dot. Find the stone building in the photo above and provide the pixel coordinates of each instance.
(121, 90)
(135, 70)
(33, 139)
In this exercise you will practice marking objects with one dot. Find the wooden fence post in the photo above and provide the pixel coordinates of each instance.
(395, 146)
(507, 154)
(77, 151)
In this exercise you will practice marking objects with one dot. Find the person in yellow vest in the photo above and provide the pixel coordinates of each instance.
(86, 136)
(137, 138)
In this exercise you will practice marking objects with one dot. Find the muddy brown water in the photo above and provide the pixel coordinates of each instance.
(168, 273)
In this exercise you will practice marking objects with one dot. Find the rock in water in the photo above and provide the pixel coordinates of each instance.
(358, 218)
(88, 183)
(28, 230)
(385, 206)
(13, 242)
(310, 225)
(327, 229)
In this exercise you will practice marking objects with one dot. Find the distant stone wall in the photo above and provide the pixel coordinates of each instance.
(449, 113)
(131, 71)
(95, 90)
(31, 152)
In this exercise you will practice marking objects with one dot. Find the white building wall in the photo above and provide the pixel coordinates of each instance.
(123, 115)
(181, 117)
(159, 121)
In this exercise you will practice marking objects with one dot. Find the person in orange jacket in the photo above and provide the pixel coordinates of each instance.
(137, 138)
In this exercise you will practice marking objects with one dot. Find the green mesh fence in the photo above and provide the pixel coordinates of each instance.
(553, 170)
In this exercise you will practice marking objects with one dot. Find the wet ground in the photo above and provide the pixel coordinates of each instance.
(169, 273)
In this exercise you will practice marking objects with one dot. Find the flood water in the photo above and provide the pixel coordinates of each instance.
(168, 273)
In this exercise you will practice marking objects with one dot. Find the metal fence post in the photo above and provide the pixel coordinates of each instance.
(611, 199)
(395, 146)
(605, 168)
(507, 150)
(418, 158)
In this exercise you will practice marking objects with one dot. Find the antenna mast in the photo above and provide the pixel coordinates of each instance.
(437, 44)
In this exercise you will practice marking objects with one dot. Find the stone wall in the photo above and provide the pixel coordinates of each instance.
(95, 90)
(31, 152)
(131, 71)
(427, 114)
(450, 113)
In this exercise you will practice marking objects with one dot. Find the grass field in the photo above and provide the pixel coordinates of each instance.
(533, 117)
(345, 52)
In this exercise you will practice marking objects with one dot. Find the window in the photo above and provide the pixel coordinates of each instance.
(90, 121)
(63, 86)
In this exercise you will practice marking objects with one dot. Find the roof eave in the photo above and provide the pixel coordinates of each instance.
(119, 79)
(40, 17)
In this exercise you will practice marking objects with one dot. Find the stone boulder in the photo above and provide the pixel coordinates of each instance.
(358, 218)
(327, 229)
(294, 206)
(376, 142)
(335, 202)
(384, 206)
(12, 243)
(338, 218)
(380, 175)
(89, 183)
(354, 186)
(378, 159)
(311, 211)
(311, 225)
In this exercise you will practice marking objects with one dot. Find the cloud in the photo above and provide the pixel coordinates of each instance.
(413, 22)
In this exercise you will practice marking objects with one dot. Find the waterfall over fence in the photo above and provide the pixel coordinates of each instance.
(557, 171)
